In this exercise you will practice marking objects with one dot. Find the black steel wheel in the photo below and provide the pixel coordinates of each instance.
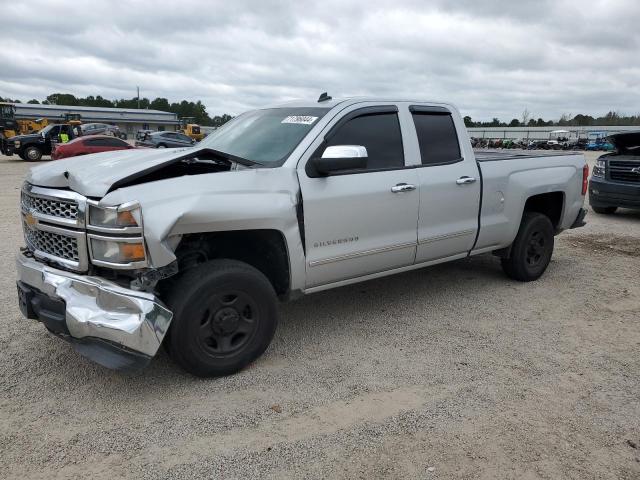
(32, 154)
(536, 249)
(532, 248)
(228, 322)
(225, 316)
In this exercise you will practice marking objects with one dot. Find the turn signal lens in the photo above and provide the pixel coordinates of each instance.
(132, 251)
(126, 218)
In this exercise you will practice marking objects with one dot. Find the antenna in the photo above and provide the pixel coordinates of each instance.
(324, 97)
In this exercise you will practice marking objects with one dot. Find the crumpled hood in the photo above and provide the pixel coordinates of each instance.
(93, 175)
(626, 140)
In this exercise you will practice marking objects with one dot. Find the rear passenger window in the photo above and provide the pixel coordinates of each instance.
(437, 138)
(379, 134)
(98, 142)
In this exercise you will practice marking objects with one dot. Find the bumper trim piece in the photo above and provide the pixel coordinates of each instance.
(101, 314)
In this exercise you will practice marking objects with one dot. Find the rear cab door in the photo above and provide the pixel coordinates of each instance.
(358, 222)
(449, 183)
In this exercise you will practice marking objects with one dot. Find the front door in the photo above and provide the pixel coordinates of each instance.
(362, 221)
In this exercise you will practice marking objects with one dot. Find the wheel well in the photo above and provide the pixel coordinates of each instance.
(549, 204)
(263, 249)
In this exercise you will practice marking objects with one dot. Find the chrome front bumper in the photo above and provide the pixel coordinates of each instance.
(99, 312)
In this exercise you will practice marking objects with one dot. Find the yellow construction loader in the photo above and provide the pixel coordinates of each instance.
(191, 129)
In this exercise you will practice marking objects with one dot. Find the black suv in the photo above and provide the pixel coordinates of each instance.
(615, 181)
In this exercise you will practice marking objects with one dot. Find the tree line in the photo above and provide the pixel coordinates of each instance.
(183, 109)
(198, 111)
(612, 118)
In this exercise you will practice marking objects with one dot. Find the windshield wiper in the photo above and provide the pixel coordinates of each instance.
(233, 158)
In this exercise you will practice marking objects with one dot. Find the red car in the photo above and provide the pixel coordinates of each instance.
(88, 144)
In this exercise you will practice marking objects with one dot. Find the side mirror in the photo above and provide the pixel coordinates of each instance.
(341, 157)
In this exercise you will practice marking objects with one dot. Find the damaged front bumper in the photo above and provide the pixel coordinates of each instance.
(114, 326)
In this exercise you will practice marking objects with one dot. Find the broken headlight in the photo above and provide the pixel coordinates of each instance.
(123, 216)
(115, 236)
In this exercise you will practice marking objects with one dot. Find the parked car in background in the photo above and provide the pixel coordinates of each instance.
(598, 141)
(140, 134)
(558, 139)
(165, 140)
(102, 129)
(87, 145)
(615, 181)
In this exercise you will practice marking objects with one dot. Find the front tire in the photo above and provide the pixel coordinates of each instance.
(531, 250)
(162, 145)
(225, 316)
(604, 210)
(32, 154)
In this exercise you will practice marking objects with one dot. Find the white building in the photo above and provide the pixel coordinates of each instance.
(127, 119)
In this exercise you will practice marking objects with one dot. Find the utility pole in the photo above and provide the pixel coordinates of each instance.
(138, 97)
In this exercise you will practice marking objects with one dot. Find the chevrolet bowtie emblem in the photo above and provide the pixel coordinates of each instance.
(30, 220)
(635, 170)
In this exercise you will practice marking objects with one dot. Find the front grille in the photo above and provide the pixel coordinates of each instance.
(622, 171)
(52, 244)
(54, 226)
(54, 208)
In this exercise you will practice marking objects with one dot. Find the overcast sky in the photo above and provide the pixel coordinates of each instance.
(490, 58)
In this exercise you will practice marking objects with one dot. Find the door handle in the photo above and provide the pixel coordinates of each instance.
(465, 180)
(403, 187)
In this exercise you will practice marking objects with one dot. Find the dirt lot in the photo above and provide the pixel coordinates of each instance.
(449, 372)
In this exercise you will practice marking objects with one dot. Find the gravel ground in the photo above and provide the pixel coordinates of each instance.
(448, 372)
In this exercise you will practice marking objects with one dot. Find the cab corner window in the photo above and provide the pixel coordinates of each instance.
(437, 138)
(379, 133)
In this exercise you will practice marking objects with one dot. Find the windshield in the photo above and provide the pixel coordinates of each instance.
(265, 136)
(46, 130)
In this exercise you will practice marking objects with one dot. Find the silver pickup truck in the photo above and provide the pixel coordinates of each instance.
(193, 247)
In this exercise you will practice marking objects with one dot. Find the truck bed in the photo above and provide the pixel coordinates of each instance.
(486, 155)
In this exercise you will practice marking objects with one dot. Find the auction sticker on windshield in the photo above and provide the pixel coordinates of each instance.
(300, 119)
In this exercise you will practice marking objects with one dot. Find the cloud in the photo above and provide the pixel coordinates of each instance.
(492, 58)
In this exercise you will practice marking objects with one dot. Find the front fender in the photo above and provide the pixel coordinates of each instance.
(250, 199)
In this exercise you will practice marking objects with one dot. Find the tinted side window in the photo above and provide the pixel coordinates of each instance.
(379, 134)
(437, 138)
(112, 142)
(97, 142)
(116, 142)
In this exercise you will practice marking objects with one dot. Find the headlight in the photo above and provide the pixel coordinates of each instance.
(598, 170)
(123, 216)
(113, 252)
(16, 143)
(115, 236)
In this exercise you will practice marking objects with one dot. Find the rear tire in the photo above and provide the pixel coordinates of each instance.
(604, 210)
(162, 145)
(225, 316)
(32, 154)
(531, 250)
